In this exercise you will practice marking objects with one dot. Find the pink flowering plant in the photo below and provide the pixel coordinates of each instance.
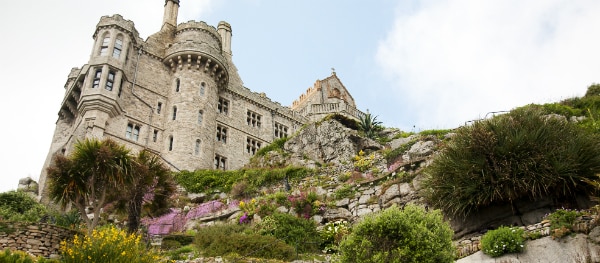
(176, 219)
(306, 204)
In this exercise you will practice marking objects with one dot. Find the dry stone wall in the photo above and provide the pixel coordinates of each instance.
(38, 239)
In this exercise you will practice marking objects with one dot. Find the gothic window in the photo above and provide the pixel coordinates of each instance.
(110, 82)
(118, 47)
(221, 134)
(132, 132)
(155, 136)
(202, 88)
(174, 112)
(220, 162)
(223, 106)
(97, 76)
(253, 119)
(281, 130)
(252, 145)
(158, 107)
(200, 115)
(197, 148)
(177, 85)
(170, 143)
(104, 47)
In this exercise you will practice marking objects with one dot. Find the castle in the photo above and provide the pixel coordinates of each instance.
(178, 94)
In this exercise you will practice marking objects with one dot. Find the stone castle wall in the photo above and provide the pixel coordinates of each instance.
(187, 67)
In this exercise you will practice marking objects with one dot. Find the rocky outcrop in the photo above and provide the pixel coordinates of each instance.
(328, 141)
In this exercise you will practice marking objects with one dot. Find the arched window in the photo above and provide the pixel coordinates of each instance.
(104, 47)
(170, 143)
(118, 47)
(202, 88)
(177, 85)
(200, 113)
(197, 148)
(174, 112)
(110, 82)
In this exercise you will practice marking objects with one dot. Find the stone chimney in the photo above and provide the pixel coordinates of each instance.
(224, 30)
(171, 10)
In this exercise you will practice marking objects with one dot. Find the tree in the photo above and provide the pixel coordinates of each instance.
(91, 176)
(593, 90)
(393, 235)
(369, 125)
(150, 189)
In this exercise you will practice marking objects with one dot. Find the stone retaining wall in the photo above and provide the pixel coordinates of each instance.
(469, 246)
(38, 239)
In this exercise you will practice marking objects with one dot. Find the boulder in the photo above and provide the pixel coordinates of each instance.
(421, 149)
(333, 214)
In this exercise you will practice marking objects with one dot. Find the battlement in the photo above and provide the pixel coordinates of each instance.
(304, 96)
(196, 25)
(119, 21)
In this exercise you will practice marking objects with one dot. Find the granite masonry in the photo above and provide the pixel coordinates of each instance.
(178, 94)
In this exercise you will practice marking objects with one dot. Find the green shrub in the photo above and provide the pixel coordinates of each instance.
(558, 108)
(346, 191)
(176, 241)
(502, 241)
(228, 239)
(181, 253)
(298, 232)
(521, 154)
(394, 235)
(8, 256)
(202, 181)
(561, 222)
(20, 206)
(276, 145)
(71, 219)
(437, 133)
(108, 244)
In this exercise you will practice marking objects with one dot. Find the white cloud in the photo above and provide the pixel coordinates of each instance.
(457, 60)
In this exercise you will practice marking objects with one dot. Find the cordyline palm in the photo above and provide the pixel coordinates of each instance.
(90, 176)
(151, 187)
(369, 125)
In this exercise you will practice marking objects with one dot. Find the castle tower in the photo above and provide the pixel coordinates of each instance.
(171, 10)
(198, 74)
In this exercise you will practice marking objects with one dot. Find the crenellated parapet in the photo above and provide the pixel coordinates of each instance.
(198, 31)
(117, 21)
(304, 96)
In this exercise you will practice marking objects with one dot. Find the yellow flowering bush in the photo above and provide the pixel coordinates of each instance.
(107, 245)
(364, 163)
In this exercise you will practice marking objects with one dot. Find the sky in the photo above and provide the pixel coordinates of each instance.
(415, 64)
